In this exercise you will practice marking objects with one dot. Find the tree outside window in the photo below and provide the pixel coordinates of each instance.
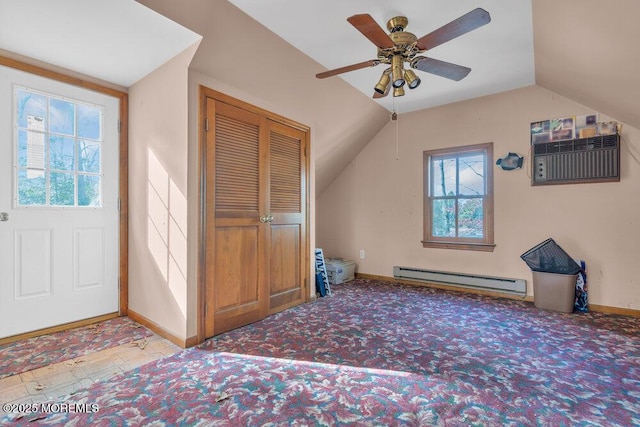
(458, 198)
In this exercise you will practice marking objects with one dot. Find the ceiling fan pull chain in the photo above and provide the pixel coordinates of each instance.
(397, 139)
(394, 118)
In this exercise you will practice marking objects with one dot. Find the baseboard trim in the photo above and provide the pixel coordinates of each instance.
(592, 307)
(614, 310)
(150, 324)
(59, 328)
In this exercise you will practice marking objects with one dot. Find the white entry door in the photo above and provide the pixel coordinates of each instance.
(59, 226)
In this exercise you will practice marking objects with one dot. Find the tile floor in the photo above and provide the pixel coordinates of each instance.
(61, 379)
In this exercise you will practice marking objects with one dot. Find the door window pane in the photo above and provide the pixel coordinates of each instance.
(62, 117)
(62, 189)
(89, 156)
(32, 188)
(62, 153)
(89, 122)
(31, 110)
(89, 190)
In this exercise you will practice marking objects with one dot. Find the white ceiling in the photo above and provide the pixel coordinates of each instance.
(119, 41)
(500, 53)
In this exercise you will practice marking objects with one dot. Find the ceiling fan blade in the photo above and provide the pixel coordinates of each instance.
(472, 20)
(371, 30)
(440, 68)
(352, 67)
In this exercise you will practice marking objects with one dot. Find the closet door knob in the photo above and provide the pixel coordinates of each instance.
(264, 218)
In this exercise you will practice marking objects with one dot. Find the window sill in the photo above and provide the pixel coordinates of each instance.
(466, 246)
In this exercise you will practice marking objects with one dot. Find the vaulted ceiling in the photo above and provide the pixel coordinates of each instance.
(582, 49)
(500, 53)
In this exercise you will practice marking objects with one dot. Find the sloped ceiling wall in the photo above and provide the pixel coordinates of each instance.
(584, 50)
(241, 53)
(587, 51)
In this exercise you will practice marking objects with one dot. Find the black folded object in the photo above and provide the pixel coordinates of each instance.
(549, 257)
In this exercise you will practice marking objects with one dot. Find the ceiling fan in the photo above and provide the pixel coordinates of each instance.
(400, 46)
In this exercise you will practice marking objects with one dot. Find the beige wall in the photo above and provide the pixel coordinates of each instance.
(376, 203)
(158, 236)
(584, 50)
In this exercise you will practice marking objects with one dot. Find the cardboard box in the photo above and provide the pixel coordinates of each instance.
(556, 292)
(340, 270)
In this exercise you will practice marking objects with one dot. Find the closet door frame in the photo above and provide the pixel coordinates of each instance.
(206, 214)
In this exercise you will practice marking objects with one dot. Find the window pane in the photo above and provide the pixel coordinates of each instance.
(444, 177)
(89, 123)
(89, 156)
(444, 218)
(470, 218)
(22, 148)
(472, 175)
(62, 117)
(89, 190)
(31, 188)
(61, 189)
(32, 110)
(61, 153)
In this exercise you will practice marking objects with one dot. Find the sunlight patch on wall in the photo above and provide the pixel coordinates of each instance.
(166, 229)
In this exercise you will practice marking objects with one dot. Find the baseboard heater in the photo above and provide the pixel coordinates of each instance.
(487, 283)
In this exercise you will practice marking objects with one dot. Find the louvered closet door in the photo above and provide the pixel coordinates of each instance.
(286, 201)
(256, 260)
(240, 239)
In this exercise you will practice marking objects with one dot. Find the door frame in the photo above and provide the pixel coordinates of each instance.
(207, 216)
(123, 97)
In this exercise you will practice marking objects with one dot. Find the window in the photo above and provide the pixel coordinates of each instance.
(58, 151)
(458, 198)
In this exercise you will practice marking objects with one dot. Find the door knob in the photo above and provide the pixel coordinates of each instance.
(266, 218)
(4, 216)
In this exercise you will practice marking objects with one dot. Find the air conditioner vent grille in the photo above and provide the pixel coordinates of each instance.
(594, 159)
(595, 143)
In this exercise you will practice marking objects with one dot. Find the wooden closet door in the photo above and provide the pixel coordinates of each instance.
(287, 207)
(237, 259)
(256, 248)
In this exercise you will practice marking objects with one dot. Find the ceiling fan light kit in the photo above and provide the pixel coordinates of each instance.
(412, 80)
(383, 83)
(398, 91)
(400, 46)
(397, 71)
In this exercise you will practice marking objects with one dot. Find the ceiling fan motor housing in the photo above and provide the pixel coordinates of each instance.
(404, 43)
(403, 40)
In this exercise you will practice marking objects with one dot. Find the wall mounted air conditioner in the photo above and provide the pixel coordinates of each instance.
(595, 159)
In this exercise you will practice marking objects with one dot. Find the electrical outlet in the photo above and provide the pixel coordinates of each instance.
(361, 253)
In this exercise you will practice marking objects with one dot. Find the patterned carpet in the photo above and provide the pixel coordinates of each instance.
(382, 354)
(26, 355)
